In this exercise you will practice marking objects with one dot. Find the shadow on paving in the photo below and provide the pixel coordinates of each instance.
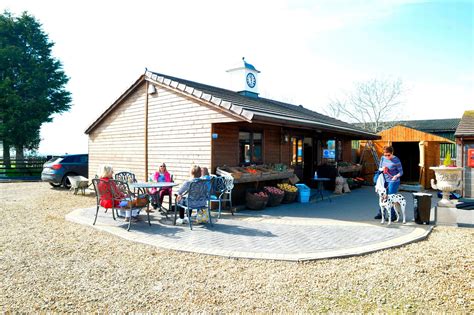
(359, 205)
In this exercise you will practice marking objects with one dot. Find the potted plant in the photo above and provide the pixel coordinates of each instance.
(448, 179)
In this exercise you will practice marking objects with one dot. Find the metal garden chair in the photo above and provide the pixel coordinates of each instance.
(126, 177)
(134, 201)
(129, 178)
(169, 193)
(222, 192)
(196, 198)
(103, 191)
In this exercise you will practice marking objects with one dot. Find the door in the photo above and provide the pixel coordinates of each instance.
(409, 155)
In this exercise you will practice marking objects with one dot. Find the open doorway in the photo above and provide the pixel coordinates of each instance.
(409, 155)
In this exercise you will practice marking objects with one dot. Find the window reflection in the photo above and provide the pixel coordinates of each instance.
(297, 151)
(250, 147)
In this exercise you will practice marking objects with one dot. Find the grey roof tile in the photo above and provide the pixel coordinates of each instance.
(261, 106)
(466, 126)
(432, 125)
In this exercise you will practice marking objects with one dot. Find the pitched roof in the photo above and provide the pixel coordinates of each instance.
(257, 108)
(436, 126)
(466, 126)
(432, 125)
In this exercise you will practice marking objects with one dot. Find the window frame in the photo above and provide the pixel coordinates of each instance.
(252, 148)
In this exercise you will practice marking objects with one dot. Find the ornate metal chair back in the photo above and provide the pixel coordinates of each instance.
(126, 177)
(198, 193)
(229, 183)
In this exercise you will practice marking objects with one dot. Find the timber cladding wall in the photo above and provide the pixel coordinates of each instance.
(226, 147)
(431, 158)
(402, 134)
(179, 134)
(118, 140)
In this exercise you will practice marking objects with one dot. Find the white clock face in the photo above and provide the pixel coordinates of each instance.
(251, 81)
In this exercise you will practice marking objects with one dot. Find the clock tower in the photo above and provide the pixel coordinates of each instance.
(244, 79)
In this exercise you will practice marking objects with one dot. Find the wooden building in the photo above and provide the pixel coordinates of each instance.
(180, 122)
(444, 128)
(465, 147)
(417, 151)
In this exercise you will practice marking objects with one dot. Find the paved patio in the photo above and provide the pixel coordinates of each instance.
(294, 232)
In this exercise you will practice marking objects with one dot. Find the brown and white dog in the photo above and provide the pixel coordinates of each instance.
(386, 202)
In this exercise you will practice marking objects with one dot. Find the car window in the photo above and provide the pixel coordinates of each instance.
(53, 159)
(68, 159)
(76, 159)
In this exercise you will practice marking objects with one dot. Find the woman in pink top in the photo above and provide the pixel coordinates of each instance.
(162, 175)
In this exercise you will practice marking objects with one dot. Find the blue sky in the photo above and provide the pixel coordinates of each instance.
(308, 51)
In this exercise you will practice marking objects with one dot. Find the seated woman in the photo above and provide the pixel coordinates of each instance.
(195, 174)
(205, 175)
(162, 175)
(113, 198)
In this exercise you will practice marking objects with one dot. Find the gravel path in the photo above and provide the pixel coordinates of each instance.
(49, 264)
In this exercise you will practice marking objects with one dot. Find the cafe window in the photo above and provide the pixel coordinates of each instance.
(250, 148)
(297, 151)
(329, 150)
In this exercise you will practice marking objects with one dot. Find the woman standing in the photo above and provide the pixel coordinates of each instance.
(391, 168)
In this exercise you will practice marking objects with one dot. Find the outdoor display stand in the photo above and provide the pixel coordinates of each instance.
(254, 173)
(254, 177)
(351, 172)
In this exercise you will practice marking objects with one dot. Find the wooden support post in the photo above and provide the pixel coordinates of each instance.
(146, 131)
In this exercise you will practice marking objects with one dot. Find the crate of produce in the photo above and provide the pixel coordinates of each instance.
(275, 196)
(291, 192)
(348, 168)
(255, 199)
(228, 171)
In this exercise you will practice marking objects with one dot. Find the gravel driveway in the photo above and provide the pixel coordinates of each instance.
(49, 264)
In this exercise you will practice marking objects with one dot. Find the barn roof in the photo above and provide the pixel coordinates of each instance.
(466, 126)
(251, 109)
(433, 125)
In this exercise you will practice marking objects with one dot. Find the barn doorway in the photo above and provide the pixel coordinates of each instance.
(409, 155)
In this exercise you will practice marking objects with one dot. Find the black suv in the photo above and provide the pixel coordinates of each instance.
(56, 170)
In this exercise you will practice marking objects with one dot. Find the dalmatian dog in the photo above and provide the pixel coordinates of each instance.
(386, 202)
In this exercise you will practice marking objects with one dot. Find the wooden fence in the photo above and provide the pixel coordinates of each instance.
(28, 168)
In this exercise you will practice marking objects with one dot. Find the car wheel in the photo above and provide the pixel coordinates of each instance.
(66, 183)
(55, 185)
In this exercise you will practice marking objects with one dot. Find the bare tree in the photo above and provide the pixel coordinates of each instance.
(374, 104)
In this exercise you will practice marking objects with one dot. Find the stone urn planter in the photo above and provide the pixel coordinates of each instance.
(448, 179)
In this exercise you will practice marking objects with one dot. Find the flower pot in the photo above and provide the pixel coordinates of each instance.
(448, 179)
